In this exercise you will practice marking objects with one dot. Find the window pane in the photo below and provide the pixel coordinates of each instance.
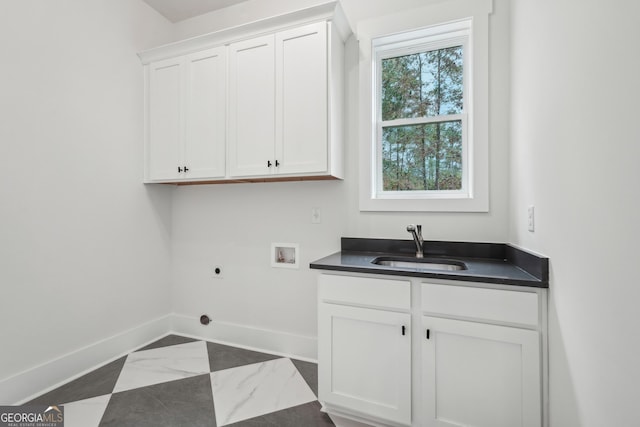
(422, 157)
(424, 84)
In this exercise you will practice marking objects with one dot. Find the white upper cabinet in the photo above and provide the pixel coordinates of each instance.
(252, 107)
(164, 133)
(279, 105)
(186, 104)
(206, 114)
(255, 102)
(302, 100)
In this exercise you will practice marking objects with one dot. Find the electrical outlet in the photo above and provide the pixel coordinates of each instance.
(530, 219)
(315, 216)
(217, 272)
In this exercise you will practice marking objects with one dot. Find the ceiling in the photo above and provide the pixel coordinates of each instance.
(177, 10)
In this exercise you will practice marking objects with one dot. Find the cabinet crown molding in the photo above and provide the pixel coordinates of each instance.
(329, 11)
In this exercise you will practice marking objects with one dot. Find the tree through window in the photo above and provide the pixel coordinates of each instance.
(421, 125)
(422, 156)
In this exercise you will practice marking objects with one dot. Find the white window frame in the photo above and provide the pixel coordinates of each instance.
(433, 27)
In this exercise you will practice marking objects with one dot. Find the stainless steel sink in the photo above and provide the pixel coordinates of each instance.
(420, 263)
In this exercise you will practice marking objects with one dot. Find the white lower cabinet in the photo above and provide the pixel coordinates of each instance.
(364, 352)
(480, 375)
(366, 361)
(474, 357)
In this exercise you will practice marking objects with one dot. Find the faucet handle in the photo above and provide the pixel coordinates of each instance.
(415, 228)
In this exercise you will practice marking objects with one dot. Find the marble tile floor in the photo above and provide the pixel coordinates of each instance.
(183, 382)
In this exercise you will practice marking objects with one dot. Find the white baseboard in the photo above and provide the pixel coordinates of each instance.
(32, 382)
(346, 422)
(264, 340)
(346, 419)
(40, 379)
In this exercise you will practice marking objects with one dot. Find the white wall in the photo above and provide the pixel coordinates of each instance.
(234, 225)
(253, 10)
(84, 246)
(575, 149)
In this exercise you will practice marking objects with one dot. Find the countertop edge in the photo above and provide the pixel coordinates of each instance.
(531, 270)
(429, 275)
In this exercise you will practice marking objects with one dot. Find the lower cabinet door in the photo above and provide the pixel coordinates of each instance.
(480, 375)
(364, 361)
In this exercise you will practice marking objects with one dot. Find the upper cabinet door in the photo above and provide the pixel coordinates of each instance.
(301, 99)
(252, 107)
(206, 114)
(165, 132)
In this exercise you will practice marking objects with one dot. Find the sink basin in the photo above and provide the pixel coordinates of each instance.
(420, 263)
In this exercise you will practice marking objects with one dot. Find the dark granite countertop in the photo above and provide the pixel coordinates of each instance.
(486, 262)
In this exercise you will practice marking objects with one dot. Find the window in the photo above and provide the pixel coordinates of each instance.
(424, 139)
(421, 114)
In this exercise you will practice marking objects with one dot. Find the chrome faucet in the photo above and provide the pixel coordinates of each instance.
(416, 232)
